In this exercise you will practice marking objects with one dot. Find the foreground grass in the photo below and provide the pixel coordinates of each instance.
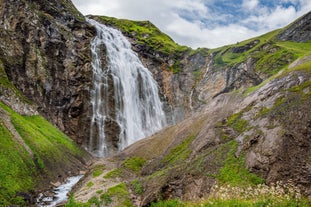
(261, 195)
(275, 195)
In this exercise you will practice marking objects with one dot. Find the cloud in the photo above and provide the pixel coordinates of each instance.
(203, 23)
(250, 4)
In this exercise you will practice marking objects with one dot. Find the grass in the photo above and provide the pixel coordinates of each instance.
(226, 57)
(146, 34)
(115, 173)
(53, 151)
(150, 38)
(16, 169)
(237, 123)
(234, 172)
(305, 67)
(168, 203)
(90, 184)
(119, 194)
(137, 186)
(134, 164)
(300, 88)
(179, 153)
(275, 195)
(98, 170)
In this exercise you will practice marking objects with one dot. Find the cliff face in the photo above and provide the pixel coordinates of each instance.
(248, 121)
(300, 31)
(45, 51)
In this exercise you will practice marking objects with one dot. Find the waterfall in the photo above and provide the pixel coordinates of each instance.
(124, 98)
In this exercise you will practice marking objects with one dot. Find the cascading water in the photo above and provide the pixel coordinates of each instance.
(125, 97)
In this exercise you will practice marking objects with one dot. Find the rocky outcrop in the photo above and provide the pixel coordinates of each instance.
(256, 137)
(45, 50)
(299, 31)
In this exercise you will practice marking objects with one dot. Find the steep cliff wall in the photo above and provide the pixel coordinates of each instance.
(45, 51)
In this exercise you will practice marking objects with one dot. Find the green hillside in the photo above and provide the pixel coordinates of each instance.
(51, 154)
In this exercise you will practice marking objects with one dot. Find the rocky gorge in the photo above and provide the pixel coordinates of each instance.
(238, 115)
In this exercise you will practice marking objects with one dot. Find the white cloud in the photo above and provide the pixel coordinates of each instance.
(277, 18)
(250, 4)
(186, 20)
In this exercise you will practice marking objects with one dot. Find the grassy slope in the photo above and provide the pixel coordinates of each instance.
(270, 54)
(53, 151)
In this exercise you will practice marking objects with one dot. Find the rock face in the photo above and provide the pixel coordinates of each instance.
(300, 31)
(45, 50)
(241, 127)
(254, 139)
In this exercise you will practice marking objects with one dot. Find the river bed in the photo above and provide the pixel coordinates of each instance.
(59, 193)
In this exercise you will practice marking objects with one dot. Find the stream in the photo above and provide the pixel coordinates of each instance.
(59, 193)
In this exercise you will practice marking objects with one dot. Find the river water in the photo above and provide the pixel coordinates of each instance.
(60, 193)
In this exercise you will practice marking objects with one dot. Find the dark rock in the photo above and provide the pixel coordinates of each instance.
(45, 48)
(245, 47)
(299, 31)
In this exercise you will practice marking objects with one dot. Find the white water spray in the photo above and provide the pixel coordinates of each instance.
(124, 93)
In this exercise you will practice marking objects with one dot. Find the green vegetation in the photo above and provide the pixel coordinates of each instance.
(4, 81)
(234, 171)
(300, 88)
(300, 49)
(275, 195)
(19, 172)
(271, 63)
(99, 191)
(16, 169)
(137, 186)
(151, 38)
(146, 34)
(115, 173)
(98, 170)
(237, 123)
(269, 55)
(134, 164)
(168, 203)
(179, 153)
(89, 184)
(227, 55)
(72, 9)
(118, 194)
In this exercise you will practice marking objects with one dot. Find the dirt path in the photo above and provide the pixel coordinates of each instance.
(17, 138)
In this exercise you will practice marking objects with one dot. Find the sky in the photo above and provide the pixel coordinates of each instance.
(203, 23)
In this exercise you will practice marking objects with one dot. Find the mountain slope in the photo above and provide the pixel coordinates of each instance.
(250, 124)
